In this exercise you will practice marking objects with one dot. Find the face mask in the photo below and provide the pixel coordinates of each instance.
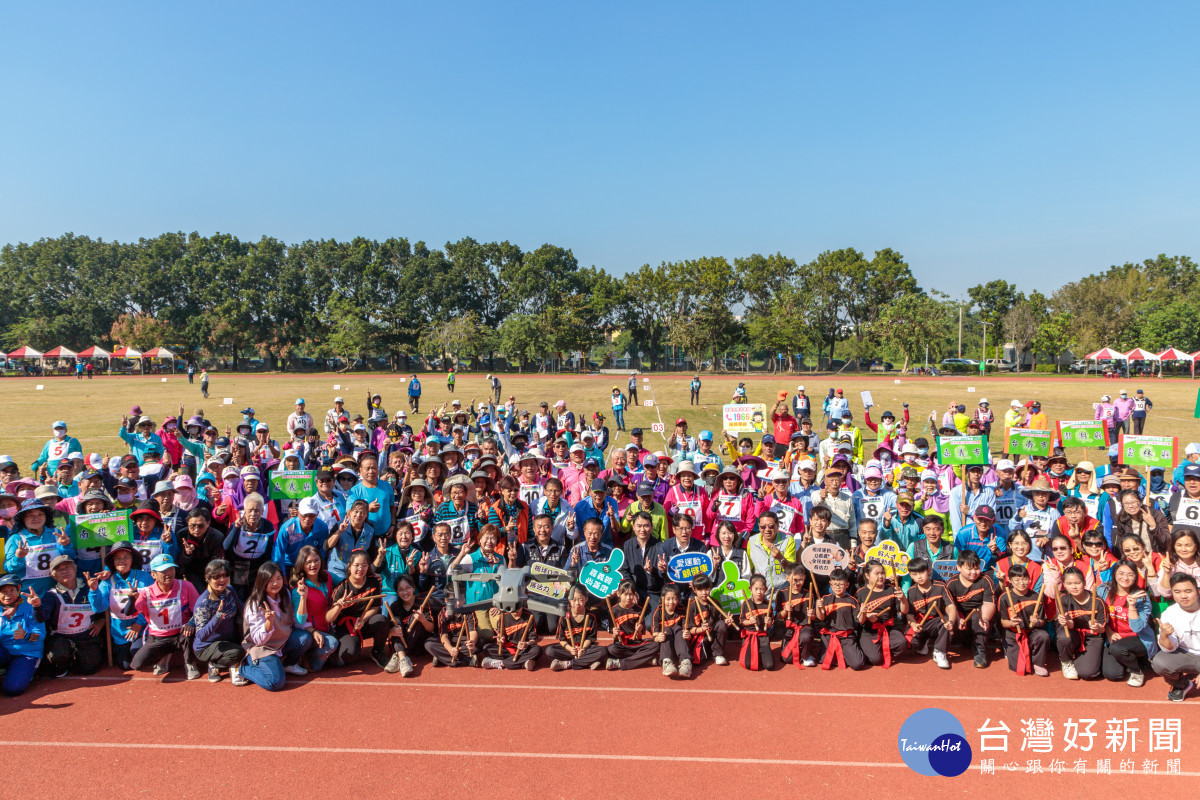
(7, 513)
(124, 497)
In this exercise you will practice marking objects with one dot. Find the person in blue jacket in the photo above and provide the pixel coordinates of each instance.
(22, 636)
(414, 394)
(56, 449)
(143, 438)
(34, 543)
(1191, 455)
(304, 528)
(124, 577)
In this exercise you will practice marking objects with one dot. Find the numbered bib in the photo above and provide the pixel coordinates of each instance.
(116, 602)
(166, 615)
(1005, 513)
(37, 560)
(532, 495)
(58, 450)
(1187, 513)
(729, 509)
(149, 548)
(74, 618)
(1042, 518)
(786, 516)
(419, 526)
(872, 508)
(252, 545)
(689, 507)
(1139, 405)
(1093, 506)
(460, 529)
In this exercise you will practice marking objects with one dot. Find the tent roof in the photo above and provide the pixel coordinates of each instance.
(158, 352)
(25, 352)
(126, 352)
(1104, 352)
(60, 352)
(1138, 354)
(94, 352)
(1171, 354)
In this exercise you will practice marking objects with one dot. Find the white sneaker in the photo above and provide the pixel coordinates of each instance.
(393, 664)
(235, 677)
(492, 663)
(940, 659)
(1136, 679)
(406, 667)
(685, 668)
(295, 669)
(669, 667)
(810, 662)
(1068, 668)
(721, 661)
(559, 665)
(613, 664)
(1041, 671)
(163, 666)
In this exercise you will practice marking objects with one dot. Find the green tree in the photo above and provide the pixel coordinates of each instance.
(912, 323)
(1055, 334)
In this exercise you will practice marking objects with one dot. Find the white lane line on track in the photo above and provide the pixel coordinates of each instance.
(401, 684)
(386, 751)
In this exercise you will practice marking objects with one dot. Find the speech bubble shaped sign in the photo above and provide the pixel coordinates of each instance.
(731, 590)
(684, 566)
(600, 578)
(822, 558)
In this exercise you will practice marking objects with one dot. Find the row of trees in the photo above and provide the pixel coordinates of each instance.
(226, 298)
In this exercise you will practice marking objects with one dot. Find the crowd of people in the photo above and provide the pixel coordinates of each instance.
(1092, 561)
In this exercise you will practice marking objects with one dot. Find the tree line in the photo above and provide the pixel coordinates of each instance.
(218, 296)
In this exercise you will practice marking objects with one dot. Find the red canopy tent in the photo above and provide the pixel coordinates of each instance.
(161, 352)
(95, 352)
(1105, 353)
(1171, 354)
(25, 352)
(59, 352)
(1138, 354)
(129, 352)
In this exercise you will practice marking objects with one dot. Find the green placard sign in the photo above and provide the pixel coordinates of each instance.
(293, 484)
(1028, 442)
(1083, 433)
(100, 530)
(962, 450)
(1150, 451)
(731, 590)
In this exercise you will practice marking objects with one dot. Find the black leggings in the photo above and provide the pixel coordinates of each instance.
(633, 656)
(155, 647)
(1087, 658)
(221, 653)
(594, 652)
(510, 659)
(1121, 657)
(376, 628)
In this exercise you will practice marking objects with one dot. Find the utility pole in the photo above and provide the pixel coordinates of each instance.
(960, 329)
(985, 326)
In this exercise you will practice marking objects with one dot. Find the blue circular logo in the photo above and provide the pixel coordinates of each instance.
(933, 742)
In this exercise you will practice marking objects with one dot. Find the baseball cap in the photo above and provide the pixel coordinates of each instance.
(299, 401)
(681, 421)
(706, 436)
(162, 561)
(905, 497)
(873, 472)
(309, 505)
(807, 463)
(799, 388)
(650, 461)
(578, 448)
(598, 485)
(1192, 449)
(985, 512)
(636, 432)
(59, 424)
(339, 400)
(58, 561)
(591, 462)
(645, 489)
(1004, 464)
(768, 439)
(1191, 471)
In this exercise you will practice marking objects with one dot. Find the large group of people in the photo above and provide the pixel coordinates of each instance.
(1092, 561)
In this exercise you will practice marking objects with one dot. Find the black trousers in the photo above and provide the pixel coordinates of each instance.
(934, 633)
(1039, 644)
(221, 653)
(695, 398)
(796, 644)
(556, 652)
(80, 653)
(633, 401)
(701, 648)
(1088, 657)
(975, 635)
(674, 647)
(375, 628)
(633, 656)
(1138, 424)
(440, 654)
(894, 641)
(155, 647)
(510, 659)
(1122, 656)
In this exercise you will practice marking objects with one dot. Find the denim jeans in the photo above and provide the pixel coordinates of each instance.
(320, 654)
(267, 671)
(19, 674)
(619, 415)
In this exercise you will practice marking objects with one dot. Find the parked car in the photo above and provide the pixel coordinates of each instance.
(959, 362)
(1091, 367)
(1001, 364)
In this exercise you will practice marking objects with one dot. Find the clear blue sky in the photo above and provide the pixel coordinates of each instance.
(1037, 142)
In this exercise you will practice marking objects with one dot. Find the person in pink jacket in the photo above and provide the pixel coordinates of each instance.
(731, 502)
(167, 604)
(686, 497)
(1106, 412)
(1122, 411)
(789, 510)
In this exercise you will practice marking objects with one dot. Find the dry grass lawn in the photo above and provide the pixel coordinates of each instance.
(93, 408)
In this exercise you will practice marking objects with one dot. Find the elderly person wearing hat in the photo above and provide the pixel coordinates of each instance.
(688, 496)
(150, 538)
(56, 448)
(73, 624)
(305, 528)
(731, 502)
(22, 635)
(167, 605)
(143, 438)
(680, 444)
(1038, 515)
(788, 510)
(843, 513)
(512, 517)
(33, 544)
(460, 511)
(120, 580)
(982, 536)
(645, 503)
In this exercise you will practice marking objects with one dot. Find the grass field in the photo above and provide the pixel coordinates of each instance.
(93, 409)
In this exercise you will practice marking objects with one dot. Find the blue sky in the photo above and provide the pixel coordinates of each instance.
(1037, 142)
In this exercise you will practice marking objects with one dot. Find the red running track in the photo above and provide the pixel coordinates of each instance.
(572, 734)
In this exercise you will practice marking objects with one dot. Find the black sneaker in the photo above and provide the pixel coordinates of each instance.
(1180, 694)
(380, 657)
